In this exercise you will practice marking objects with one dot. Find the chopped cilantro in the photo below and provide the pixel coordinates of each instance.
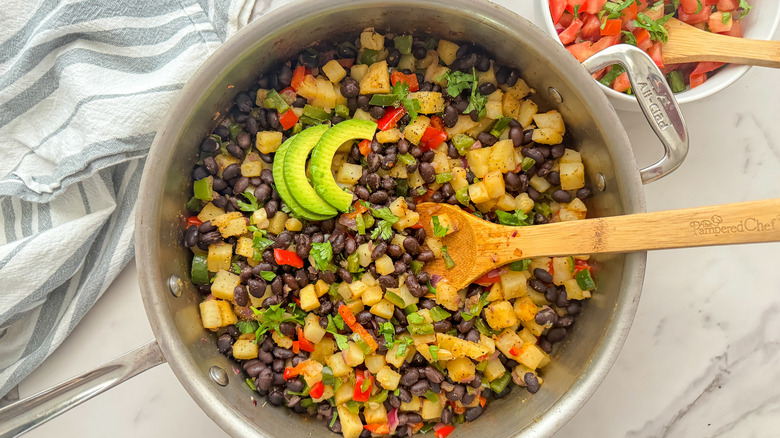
(259, 242)
(520, 265)
(270, 318)
(456, 82)
(415, 318)
(656, 27)
(236, 268)
(434, 350)
(403, 345)
(518, 218)
(246, 326)
(438, 230)
(745, 7)
(384, 229)
(322, 253)
(267, 275)
(252, 206)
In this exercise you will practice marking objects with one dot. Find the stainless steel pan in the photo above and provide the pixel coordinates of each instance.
(163, 263)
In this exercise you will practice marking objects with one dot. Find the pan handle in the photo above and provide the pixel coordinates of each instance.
(656, 101)
(29, 413)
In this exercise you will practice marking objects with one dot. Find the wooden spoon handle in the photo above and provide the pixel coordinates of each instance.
(746, 222)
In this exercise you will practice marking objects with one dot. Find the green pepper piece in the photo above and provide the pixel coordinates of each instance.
(416, 266)
(360, 224)
(342, 111)
(309, 121)
(483, 328)
(407, 159)
(353, 262)
(199, 273)
(584, 280)
(395, 299)
(676, 81)
(316, 113)
(500, 126)
(462, 143)
(500, 383)
(202, 188)
(439, 314)
(378, 398)
(448, 262)
(383, 99)
(368, 56)
(194, 205)
(403, 44)
(412, 308)
(420, 329)
(462, 196)
(527, 163)
(275, 101)
(442, 178)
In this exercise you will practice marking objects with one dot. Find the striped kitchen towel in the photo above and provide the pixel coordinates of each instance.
(83, 86)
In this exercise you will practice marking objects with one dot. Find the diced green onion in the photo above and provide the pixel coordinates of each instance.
(403, 44)
(316, 113)
(368, 56)
(462, 196)
(307, 402)
(442, 178)
(383, 99)
(542, 208)
(500, 126)
(527, 163)
(309, 121)
(333, 420)
(275, 101)
(407, 159)
(676, 81)
(439, 314)
(297, 128)
(202, 188)
(395, 299)
(353, 406)
(448, 262)
(251, 384)
(499, 384)
(360, 224)
(199, 273)
(415, 318)
(571, 263)
(584, 280)
(462, 143)
(482, 365)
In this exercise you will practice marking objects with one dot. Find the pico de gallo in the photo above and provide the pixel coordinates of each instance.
(586, 27)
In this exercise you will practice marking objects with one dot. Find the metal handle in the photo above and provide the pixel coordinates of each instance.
(27, 414)
(656, 101)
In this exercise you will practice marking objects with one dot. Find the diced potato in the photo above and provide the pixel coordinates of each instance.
(384, 265)
(244, 247)
(573, 290)
(358, 71)
(252, 165)
(372, 295)
(374, 363)
(524, 202)
(323, 349)
(357, 287)
(434, 244)
(223, 161)
(488, 76)
(432, 57)
(541, 263)
(494, 370)
(493, 107)
(245, 349)
(276, 224)
(394, 359)
(540, 184)
(309, 299)
(478, 161)
(526, 112)
(571, 156)
(572, 176)
(500, 315)
(562, 267)
(210, 211)
(496, 293)
(389, 136)
(432, 410)
(209, 315)
(224, 284)
(398, 172)
(460, 347)
(514, 284)
(459, 180)
(440, 163)
(519, 90)
(414, 131)
(349, 173)
(447, 296)
(334, 71)
(268, 141)
(533, 327)
(546, 136)
(293, 224)
(281, 340)
(376, 79)
(494, 184)
(260, 218)
(445, 223)
(431, 102)
(344, 393)
(225, 223)
(337, 364)
(311, 328)
(351, 426)
(578, 206)
(461, 369)
(506, 340)
(447, 51)
(530, 355)
(463, 125)
(374, 415)
(226, 313)
(506, 203)
(478, 193)
(551, 119)
(372, 40)
(364, 254)
(407, 221)
(308, 88)
(412, 406)
(502, 157)
(525, 309)
(399, 207)
(326, 94)
(434, 72)
(383, 309)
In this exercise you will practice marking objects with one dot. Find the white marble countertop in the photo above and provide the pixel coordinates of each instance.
(702, 358)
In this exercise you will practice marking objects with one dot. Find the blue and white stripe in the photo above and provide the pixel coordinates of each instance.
(83, 86)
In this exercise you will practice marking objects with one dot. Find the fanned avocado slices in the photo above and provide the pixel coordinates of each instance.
(294, 168)
(284, 191)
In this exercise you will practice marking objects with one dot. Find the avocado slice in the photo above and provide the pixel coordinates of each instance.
(284, 191)
(295, 171)
(322, 158)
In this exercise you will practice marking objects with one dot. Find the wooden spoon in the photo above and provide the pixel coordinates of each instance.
(689, 44)
(477, 246)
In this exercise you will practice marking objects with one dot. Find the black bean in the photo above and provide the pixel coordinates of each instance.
(531, 382)
(224, 343)
(546, 316)
(273, 300)
(209, 145)
(271, 208)
(379, 197)
(433, 375)
(393, 57)
(277, 286)
(377, 112)
(399, 267)
(554, 178)
(472, 414)
(240, 296)
(472, 335)
(427, 156)
(411, 246)
(388, 183)
(457, 393)
(584, 193)
(273, 119)
(540, 219)
(364, 317)
(363, 102)
(362, 192)
(265, 357)
(557, 151)
(427, 173)
(410, 376)
(450, 116)
(512, 77)
(231, 172)
(561, 195)
(537, 285)
(533, 194)
(426, 255)
(574, 308)
(350, 246)
(404, 395)
(394, 251)
(209, 238)
(419, 52)
(483, 63)
(199, 173)
(533, 153)
(543, 275)
(287, 328)
(464, 63)
(210, 164)
(345, 275)
(437, 197)
(545, 168)
(264, 379)
(420, 235)
(564, 321)
(240, 185)
(556, 334)
(276, 397)
(294, 385)
(191, 236)
(387, 281)
(487, 88)
(562, 300)
(379, 251)
(373, 180)
(244, 140)
(442, 326)
(337, 242)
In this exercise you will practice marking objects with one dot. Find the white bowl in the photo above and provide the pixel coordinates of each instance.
(760, 24)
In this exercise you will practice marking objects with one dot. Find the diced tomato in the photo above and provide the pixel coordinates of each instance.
(346, 62)
(736, 29)
(621, 83)
(572, 3)
(556, 9)
(655, 13)
(568, 35)
(701, 17)
(690, 6)
(193, 220)
(358, 394)
(417, 225)
(293, 372)
(296, 347)
(285, 257)
(629, 13)
(593, 6)
(565, 21)
(410, 79)
(391, 118)
(591, 28)
(716, 23)
(378, 428)
(298, 75)
(598, 75)
(493, 276)
(444, 431)
(288, 119)
(698, 79)
(655, 53)
(317, 390)
(306, 344)
(604, 42)
(482, 401)
(432, 138)
(643, 40)
(365, 147)
(727, 5)
(706, 67)
(612, 27)
(581, 51)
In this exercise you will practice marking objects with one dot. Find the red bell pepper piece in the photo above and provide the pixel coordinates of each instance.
(288, 119)
(305, 344)
(193, 220)
(284, 257)
(359, 208)
(391, 118)
(698, 79)
(443, 431)
(296, 347)
(417, 225)
(410, 79)
(317, 390)
(437, 123)
(579, 265)
(482, 401)
(378, 428)
(352, 323)
(611, 27)
(493, 276)
(515, 350)
(365, 147)
(298, 76)
(432, 138)
(358, 394)
(293, 372)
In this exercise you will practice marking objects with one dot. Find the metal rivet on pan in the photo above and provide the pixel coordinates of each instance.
(175, 285)
(601, 182)
(555, 96)
(218, 375)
